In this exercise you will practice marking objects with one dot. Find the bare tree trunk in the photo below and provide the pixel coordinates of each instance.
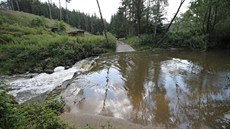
(138, 17)
(12, 4)
(49, 3)
(67, 18)
(147, 16)
(215, 18)
(16, 1)
(156, 19)
(125, 17)
(60, 8)
(209, 19)
(204, 21)
(102, 21)
(181, 3)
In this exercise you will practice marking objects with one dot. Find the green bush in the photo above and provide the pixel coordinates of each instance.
(6, 38)
(42, 116)
(10, 116)
(36, 49)
(187, 40)
(133, 41)
(197, 42)
(38, 22)
(37, 53)
(60, 25)
(32, 116)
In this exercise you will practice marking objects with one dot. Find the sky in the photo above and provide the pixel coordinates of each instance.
(110, 7)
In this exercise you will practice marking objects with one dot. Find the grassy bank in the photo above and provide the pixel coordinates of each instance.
(27, 44)
(171, 40)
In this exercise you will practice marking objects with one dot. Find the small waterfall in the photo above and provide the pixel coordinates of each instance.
(25, 88)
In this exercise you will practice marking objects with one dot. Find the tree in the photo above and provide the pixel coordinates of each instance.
(50, 11)
(60, 9)
(11, 4)
(178, 10)
(67, 18)
(139, 13)
(118, 24)
(158, 9)
(102, 21)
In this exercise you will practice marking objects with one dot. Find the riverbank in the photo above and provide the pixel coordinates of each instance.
(80, 121)
(147, 42)
(29, 45)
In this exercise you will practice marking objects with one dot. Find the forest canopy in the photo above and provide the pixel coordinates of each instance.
(206, 23)
(80, 20)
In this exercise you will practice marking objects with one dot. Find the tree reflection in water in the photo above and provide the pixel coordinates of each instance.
(172, 89)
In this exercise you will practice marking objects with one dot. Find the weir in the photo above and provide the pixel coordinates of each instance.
(24, 88)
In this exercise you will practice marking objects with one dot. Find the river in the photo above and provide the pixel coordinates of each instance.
(174, 89)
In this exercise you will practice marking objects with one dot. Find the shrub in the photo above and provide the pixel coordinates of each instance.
(10, 116)
(2, 19)
(38, 53)
(60, 25)
(197, 42)
(38, 22)
(6, 38)
(33, 116)
(43, 116)
(133, 41)
(188, 40)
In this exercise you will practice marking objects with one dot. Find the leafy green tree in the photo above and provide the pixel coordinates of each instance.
(207, 17)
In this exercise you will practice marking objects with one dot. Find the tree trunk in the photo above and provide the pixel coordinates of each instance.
(138, 17)
(156, 19)
(12, 4)
(102, 21)
(125, 20)
(204, 21)
(147, 16)
(181, 3)
(50, 13)
(215, 18)
(18, 7)
(60, 8)
(66, 11)
(209, 19)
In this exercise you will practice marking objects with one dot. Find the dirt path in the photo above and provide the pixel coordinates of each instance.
(122, 47)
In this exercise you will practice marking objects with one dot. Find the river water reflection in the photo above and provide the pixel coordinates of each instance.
(173, 89)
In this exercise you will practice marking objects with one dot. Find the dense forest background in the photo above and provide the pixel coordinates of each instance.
(80, 20)
(206, 23)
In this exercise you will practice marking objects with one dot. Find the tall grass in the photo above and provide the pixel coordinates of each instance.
(37, 53)
(28, 47)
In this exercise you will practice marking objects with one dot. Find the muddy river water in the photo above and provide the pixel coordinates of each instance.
(175, 89)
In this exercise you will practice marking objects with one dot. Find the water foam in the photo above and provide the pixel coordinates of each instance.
(24, 89)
